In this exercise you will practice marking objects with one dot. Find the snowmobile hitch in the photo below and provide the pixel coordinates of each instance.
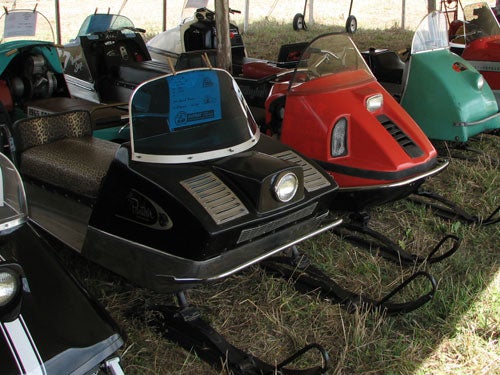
(309, 278)
(183, 324)
(449, 210)
(388, 249)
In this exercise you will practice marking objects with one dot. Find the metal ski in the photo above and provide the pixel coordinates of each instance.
(449, 210)
(387, 248)
(308, 277)
(184, 325)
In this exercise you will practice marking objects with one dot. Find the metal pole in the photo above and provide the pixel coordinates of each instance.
(431, 5)
(247, 14)
(403, 10)
(58, 23)
(223, 40)
(311, 15)
(164, 20)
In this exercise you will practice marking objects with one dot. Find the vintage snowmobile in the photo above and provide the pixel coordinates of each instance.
(48, 323)
(197, 195)
(108, 59)
(31, 77)
(332, 109)
(476, 38)
(447, 97)
(195, 33)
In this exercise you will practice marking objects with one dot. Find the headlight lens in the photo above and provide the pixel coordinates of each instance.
(339, 138)
(9, 284)
(286, 186)
(480, 82)
(374, 102)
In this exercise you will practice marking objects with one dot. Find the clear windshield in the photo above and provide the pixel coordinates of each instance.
(327, 55)
(13, 208)
(190, 116)
(431, 34)
(103, 22)
(25, 24)
(480, 21)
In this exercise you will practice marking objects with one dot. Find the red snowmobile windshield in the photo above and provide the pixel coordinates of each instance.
(328, 55)
(480, 22)
(190, 116)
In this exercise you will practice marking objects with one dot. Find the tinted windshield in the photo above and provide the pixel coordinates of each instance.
(190, 116)
(13, 209)
(103, 22)
(327, 55)
(480, 21)
(431, 34)
(25, 24)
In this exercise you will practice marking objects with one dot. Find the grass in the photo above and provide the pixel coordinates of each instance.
(457, 332)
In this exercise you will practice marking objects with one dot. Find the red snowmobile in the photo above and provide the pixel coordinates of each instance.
(332, 109)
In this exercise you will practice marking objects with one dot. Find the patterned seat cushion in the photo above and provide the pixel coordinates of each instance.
(35, 131)
(74, 164)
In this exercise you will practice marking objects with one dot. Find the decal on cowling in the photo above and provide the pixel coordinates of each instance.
(459, 67)
(144, 211)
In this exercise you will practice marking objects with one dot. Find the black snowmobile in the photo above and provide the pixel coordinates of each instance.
(48, 323)
(197, 195)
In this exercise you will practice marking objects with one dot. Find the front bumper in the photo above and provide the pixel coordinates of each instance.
(164, 272)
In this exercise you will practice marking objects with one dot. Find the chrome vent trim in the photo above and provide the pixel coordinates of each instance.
(216, 197)
(313, 179)
(251, 233)
(404, 141)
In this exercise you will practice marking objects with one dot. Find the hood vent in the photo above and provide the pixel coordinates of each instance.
(313, 179)
(404, 141)
(216, 198)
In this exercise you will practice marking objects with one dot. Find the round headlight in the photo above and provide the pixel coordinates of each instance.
(480, 82)
(8, 286)
(286, 186)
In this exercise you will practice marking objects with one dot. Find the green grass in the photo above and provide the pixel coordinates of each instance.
(457, 332)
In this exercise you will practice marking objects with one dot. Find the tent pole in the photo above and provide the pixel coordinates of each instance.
(58, 23)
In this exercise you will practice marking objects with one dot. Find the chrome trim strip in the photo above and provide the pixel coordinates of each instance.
(432, 172)
(478, 122)
(261, 257)
(23, 348)
(486, 66)
(192, 158)
(79, 83)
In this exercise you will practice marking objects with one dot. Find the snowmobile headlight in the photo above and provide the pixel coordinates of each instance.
(374, 102)
(286, 186)
(339, 138)
(480, 82)
(9, 285)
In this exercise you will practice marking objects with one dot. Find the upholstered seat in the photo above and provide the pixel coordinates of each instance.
(59, 150)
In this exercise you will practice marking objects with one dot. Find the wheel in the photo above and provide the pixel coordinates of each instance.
(298, 22)
(351, 25)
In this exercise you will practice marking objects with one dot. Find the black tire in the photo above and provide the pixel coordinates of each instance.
(351, 25)
(298, 22)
